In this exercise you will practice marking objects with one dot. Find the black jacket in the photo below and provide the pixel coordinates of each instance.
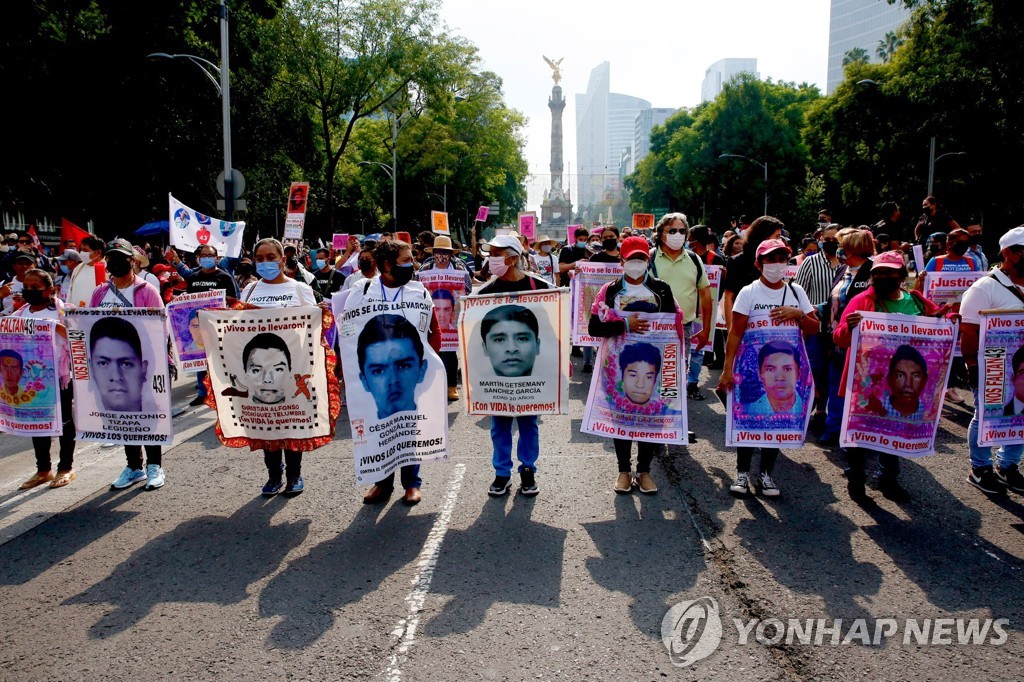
(662, 292)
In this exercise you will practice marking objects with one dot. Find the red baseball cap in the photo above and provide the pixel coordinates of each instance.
(631, 246)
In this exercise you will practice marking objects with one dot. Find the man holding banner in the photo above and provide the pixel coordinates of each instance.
(447, 279)
(1003, 290)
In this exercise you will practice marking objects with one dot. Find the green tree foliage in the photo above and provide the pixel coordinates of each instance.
(855, 55)
(888, 45)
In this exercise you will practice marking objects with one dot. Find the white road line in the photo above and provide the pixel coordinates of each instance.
(405, 630)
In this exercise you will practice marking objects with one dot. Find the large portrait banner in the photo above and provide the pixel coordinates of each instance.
(1001, 375)
(514, 357)
(771, 402)
(898, 369)
(119, 366)
(395, 385)
(635, 392)
(186, 339)
(585, 284)
(446, 288)
(29, 385)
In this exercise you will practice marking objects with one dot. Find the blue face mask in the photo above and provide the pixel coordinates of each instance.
(64, 269)
(208, 262)
(320, 263)
(268, 270)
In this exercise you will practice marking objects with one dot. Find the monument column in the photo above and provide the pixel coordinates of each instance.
(556, 209)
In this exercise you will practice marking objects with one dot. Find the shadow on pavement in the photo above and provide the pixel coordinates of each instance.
(210, 559)
(341, 571)
(501, 557)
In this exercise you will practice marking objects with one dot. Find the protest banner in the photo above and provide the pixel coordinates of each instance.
(119, 366)
(635, 391)
(771, 403)
(502, 231)
(191, 229)
(791, 271)
(395, 385)
(1001, 377)
(643, 221)
(919, 263)
(186, 340)
(948, 287)
(898, 369)
(589, 279)
(482, 213)
(439, 221)
(527, 222)
(514, 357)
(339, 242)
(295, 217)
(29, 377)
(570, 230)
(446, 288)
(715, 281)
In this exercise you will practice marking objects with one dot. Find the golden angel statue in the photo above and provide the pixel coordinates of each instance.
(555, 64)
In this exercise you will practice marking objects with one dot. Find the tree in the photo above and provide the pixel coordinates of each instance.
(888, 45)
(854, 55)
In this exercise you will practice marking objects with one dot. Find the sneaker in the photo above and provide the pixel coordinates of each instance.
(742, 484)
(768, 487)
(294, 487)
(892, 490)
(501, 485)
(198, 400)
(154, 477)
(986, 480)
(857, 493)
(645, 484)
(1011, 477)
(128, 478)
(588, 368)
(528, 483)
(274, 485)
(624, 482)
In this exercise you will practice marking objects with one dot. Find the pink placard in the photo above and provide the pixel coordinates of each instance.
(340, 242)
(528, 225)
(482, 213)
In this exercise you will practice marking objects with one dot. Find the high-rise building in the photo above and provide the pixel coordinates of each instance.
(644, 123)
(719, 73)
(605, 127)
(859, 23)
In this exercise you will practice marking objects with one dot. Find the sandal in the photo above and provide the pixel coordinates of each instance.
(38, 479)
(62, 479)
(693, 392)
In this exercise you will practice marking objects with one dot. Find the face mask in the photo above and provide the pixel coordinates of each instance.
(208, 262)
(975, 239)
(545, 248)
(635, 269)
(675, 241)
(774, 272)
(365, 265)
(268, 270)
(610, 244)
(830, 247)
(959, 248)
(243, 270)
(885, 286)
(320, 263)
(33, 296)
(581, 244)
(841, 255)
(402, 274)
(65, 269)
(497, 265)
(119, 267)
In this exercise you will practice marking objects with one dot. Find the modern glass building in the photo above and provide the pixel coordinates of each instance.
(719, 73)
(644, 122)
(859, 23)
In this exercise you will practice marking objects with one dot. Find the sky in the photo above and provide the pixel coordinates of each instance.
(658, 50)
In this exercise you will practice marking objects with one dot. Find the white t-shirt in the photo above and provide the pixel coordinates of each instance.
(757, 301)
(989, 294)
(287, 294)
(634, 294)
(352, 279)
(111, 300)
(148, 276)
(545, 264)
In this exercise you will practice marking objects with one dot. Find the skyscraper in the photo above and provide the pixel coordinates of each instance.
(644, 122)
(719, 73)
(859, 23)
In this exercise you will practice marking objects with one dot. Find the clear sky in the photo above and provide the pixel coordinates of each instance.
(658, 50)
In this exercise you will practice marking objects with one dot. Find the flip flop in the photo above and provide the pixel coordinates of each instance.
(62, 479)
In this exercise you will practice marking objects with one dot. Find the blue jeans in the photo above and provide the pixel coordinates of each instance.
(696, 362)
(588, 355)
(982, 457)
(200, 387)
(529, 443)
(817, 349)
(836, 401)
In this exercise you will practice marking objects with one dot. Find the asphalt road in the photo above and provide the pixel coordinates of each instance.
(204, 579)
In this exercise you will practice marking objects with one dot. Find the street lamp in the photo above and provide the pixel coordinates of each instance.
(762, 164)
(932, 159)
(390, 170)
(224, 90)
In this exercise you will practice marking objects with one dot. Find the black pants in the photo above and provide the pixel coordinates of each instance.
(134, 455)
(451, 367)
(888, 465)
(644, 454)
(41, 444)
(744, 456)
(292, 463)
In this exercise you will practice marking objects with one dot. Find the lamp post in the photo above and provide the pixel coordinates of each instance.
(932, 159)
(390, 170)
(762, 164)
(224, 90)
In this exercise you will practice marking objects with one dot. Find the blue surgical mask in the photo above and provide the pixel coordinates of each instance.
(268, 270)
(320, 263)
(581, 243)
(64, 269)
(208, 262)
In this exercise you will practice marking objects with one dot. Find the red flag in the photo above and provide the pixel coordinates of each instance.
(70, 231)
(35, 238)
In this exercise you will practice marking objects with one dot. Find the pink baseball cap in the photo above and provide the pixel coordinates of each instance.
(769, 245)
(889, 259)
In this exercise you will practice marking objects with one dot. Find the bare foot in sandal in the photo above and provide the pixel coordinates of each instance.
(62, 479)
(40, 478)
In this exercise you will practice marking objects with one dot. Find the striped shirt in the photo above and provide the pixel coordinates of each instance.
(815, 276)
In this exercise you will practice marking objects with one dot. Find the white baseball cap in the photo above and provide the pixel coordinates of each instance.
(1014, 237)
(504, 241)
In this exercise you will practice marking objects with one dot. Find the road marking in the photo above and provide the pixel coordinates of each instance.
(405, 631)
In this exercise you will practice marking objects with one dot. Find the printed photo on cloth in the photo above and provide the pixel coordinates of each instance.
(186, 339)
(119, 366)
(634, 392)
(267, 372)
(771, 402)
(191, 229)
(898, 369)
(1001, 378)
(585, 284)
(29, 377)
(512, 351)
(446, 288)
(395, 385)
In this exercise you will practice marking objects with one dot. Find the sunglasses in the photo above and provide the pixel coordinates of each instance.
(675, 230)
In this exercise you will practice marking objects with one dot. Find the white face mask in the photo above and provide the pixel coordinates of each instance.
(497, 265)
(675, 241)
(545, 248)
(635, 269)
(774, 272)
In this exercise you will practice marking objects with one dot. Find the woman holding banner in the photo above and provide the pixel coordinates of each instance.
(41, 304)
(636, 291)
(886, 295)
(445, 303)
(764, 303)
